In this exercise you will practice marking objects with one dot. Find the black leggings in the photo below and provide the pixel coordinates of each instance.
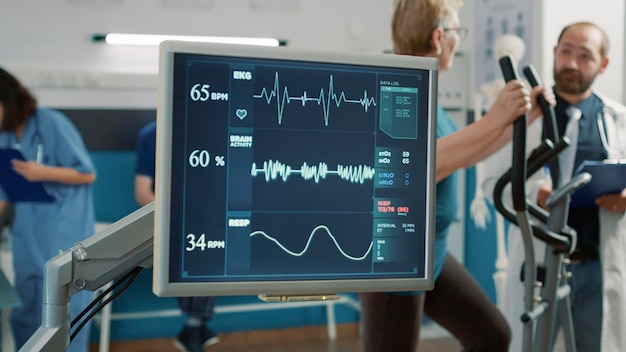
(392, 322)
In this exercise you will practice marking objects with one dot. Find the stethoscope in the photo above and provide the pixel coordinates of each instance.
(36, 141)
(614, 153)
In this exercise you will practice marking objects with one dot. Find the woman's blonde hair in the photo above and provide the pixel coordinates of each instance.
(414, 21)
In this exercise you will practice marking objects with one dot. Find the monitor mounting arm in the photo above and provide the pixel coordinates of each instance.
(89, 265)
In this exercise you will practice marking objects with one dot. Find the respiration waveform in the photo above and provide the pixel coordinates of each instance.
(308, 243)
(324, 99)
(273, 169)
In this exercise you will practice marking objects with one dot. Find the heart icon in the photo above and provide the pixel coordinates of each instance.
(241, 113)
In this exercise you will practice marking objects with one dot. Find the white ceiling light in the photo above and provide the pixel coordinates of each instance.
(155, 39)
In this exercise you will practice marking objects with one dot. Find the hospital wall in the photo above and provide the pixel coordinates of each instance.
(100, 85)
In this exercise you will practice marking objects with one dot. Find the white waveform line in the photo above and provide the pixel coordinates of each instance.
(276, 169)
(308, 243)
(365, 102)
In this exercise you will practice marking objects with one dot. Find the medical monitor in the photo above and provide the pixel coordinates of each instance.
(295, 173)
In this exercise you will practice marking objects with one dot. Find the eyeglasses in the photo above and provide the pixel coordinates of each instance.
(460, 31)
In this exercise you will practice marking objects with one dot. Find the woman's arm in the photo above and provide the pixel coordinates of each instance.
(481, 139)
(465, 147)
(478, 140)
(34, 171)
(143, 189)
(3, 206)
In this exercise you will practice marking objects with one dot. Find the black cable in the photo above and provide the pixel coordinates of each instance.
(100, 296)
(126, 279)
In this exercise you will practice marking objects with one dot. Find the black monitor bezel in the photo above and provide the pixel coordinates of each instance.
(162, 286)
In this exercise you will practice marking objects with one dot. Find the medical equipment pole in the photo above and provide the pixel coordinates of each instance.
(89, 265)
(556, 290)
(518, 189)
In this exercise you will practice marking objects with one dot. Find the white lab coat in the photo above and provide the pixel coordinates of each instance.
(612, 238)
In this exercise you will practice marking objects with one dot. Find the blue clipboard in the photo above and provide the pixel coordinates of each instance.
(607, 177)
(16, 187)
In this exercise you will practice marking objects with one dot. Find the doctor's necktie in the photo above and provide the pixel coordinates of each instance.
(568, 156)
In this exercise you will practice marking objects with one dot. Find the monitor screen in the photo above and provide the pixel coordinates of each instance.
(293, 172)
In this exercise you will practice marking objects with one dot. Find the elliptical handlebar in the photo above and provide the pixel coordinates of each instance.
(550, 227)
(546, 109)
(517, 177)
(540, 156)
(518, 168)
(521, 168)
(549, 122)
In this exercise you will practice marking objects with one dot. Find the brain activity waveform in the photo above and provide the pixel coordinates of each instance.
(275, 169)
(308, 243)
(323, 99)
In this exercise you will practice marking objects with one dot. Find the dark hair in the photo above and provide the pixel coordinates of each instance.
(17, 101)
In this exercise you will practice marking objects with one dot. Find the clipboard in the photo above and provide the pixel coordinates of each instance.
(16, 187)
(607, 177)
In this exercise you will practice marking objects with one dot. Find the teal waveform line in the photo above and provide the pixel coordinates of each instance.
(273, 169)
(325, 100)
(308, 243)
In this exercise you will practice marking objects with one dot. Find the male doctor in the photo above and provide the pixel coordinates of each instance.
(598, 264)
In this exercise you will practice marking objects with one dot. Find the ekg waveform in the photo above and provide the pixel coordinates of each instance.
(273, 169)
(324, 99)
(308, 243)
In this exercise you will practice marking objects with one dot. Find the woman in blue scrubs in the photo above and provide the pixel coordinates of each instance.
(55, 155)
(391, 320)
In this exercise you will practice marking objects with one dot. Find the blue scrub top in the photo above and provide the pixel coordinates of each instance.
(446, 206)
(40, 230)
(146, 151)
